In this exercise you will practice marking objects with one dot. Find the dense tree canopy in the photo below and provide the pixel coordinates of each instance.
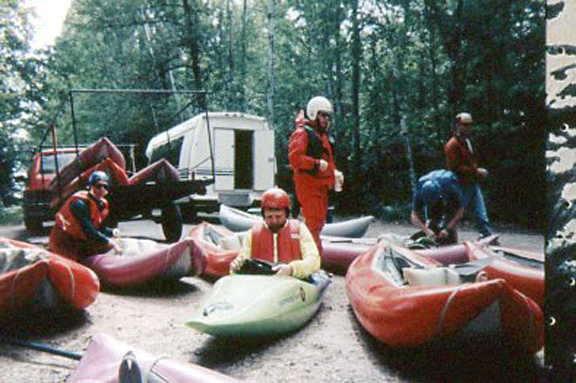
(381, 62)
(20, 81)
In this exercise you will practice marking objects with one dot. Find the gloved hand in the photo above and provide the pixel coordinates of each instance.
(323, 165)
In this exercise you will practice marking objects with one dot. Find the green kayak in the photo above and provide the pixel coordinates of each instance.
(259, 305)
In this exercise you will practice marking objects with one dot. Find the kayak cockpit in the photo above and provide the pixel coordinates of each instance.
(406, 270)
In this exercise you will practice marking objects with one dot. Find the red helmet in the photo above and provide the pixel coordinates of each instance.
(275, 198)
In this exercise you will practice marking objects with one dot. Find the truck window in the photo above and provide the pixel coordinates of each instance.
(48, 165)
(170, 151)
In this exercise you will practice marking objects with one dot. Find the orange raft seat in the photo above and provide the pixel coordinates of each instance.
(108, 360)
(143, 261)
(32, 276)
(222, 245)
(405, 300)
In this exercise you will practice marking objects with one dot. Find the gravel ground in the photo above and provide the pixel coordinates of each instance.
(331, 348)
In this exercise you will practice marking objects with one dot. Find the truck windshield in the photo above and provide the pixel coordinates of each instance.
(49, 164)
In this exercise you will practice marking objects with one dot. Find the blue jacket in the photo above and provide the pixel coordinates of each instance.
(451, 195)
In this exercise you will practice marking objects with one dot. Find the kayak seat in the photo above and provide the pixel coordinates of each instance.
(431, 277)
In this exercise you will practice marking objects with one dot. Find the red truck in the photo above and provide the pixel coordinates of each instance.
(37, 196)
(44, 196)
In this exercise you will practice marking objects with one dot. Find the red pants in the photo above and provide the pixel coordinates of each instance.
(68, 246)
(314, 205)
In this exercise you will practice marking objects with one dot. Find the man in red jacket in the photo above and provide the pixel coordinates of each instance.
(288, 243)
(79, 231)
(462, 160)
(311, 157)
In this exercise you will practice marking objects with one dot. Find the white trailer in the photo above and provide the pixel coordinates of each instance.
(243, 152)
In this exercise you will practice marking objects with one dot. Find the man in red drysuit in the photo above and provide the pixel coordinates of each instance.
(311, 157)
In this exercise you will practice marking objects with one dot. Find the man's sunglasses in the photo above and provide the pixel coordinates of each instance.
(324, 114)
(100, 186)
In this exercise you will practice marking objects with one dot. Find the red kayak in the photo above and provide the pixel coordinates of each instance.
(115, 172)
(158, 172)
(108, 360)
(131, 268)
(522, 269)
(406, 315)
(457, 253)
(31, 275)
(88, 157)
(222, 245)
(218, 256)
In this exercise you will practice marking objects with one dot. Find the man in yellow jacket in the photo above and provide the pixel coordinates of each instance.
(286, 242)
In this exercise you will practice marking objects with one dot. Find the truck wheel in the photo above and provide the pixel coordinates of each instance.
(32, 224)
(171, 223)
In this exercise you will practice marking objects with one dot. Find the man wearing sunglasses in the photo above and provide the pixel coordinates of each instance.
(79, 231)
(311, 157)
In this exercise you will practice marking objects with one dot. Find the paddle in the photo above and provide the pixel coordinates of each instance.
(41, 347)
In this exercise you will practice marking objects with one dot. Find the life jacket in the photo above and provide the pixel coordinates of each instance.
(316, 148)
(66, 221)
(288, 240)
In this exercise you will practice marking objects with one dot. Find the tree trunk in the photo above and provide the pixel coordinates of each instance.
(451, 31)
(340, 112)
(242, 63)
(356, 57)
(231, 87)
(192, 22)
(271, 60)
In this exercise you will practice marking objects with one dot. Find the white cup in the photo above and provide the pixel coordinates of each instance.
(338, 181)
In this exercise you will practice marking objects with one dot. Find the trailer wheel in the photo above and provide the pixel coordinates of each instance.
(171, 223)
(189, 213)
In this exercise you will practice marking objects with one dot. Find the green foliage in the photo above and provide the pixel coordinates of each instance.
(422, 60)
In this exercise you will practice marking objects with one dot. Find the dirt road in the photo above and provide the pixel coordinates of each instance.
(331, 348)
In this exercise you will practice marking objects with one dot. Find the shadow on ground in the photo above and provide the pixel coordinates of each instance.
(464, 357)
(156, 288)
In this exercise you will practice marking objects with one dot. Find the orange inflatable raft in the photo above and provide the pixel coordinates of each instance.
(405, 299)
(32, 276)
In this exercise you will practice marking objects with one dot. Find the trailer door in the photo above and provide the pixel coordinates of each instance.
(264, 160)
(224, 159)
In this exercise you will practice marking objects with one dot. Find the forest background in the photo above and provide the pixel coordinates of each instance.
(397, 72)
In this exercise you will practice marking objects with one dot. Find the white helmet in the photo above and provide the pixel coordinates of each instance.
(318, 104)
(463, 118)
